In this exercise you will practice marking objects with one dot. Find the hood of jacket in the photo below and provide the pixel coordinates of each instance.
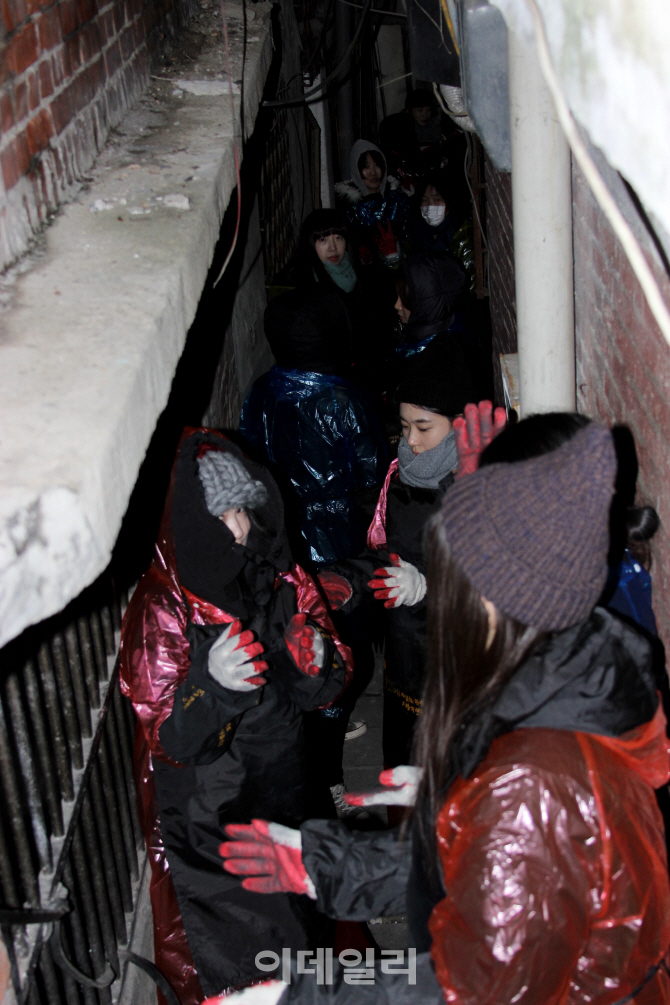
(434, 280)
(362, 147)
(199, 552)
(600, 676)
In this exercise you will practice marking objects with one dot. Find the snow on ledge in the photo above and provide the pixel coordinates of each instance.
(95, 327)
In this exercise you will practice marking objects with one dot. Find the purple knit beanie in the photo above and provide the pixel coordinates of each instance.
(533, 537)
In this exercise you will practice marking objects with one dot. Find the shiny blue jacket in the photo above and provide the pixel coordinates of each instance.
(321, 433)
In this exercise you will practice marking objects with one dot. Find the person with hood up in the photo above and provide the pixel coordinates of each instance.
(375, 206)
(537, 869)
(428, 287)
(392, 569)
(315, 427)
(224, 645)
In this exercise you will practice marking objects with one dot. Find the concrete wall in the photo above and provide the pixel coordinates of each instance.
(68, 73)
(246, 353)
(500, 236)
(623, 361)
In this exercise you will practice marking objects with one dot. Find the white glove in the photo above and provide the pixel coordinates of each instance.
(267, 993)
(402, 785)
(231, 662)
(402, 584)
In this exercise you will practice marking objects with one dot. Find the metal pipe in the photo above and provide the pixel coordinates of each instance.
(66, 696)
(111, 740)
(103, 822)
(542, 215)
(345, 90)
(88, 661)
(43, 745)
(52, 703)
(109, 788)
(26, 758)
(81, 863)
(78, 680)
(13, 812)
(72, 926)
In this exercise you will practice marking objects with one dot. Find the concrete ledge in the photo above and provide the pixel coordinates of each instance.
(96, 321)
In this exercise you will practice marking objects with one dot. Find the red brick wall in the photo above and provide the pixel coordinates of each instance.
(623, 361)
(501, 267)
(68, 72)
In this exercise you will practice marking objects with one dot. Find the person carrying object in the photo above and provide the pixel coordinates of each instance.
(536, 869)
(224, 645)
(392, 568)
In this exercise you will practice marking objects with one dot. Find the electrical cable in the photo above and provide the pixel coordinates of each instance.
(373, 10)
(236, 149)
(313, 94)
(466, 170)
(603, 196)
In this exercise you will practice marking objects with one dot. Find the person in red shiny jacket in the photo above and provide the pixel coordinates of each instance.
(225, 643)
(536, 872)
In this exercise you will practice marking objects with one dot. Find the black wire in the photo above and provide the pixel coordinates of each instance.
(322, 37)
(314, 94)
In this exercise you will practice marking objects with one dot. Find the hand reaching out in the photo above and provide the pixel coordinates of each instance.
(401, 583)
(269, 855)
(475, 432)
(401, 784)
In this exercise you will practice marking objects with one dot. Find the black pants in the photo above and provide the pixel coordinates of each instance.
(325, 729)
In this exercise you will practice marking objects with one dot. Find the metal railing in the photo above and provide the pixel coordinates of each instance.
(69, 833)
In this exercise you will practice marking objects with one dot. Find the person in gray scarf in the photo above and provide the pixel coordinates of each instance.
(434, 389)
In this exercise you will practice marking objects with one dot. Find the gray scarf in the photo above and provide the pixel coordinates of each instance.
(428, 469)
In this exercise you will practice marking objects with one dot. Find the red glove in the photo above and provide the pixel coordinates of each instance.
(386, 241)
(402, 583)
(337, 589)
(270, 855)
(475, 432)
(305, 645)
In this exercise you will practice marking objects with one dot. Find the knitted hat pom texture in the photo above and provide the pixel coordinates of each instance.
(533, 537)
(227, 484)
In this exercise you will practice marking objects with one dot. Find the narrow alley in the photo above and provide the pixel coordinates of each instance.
(334, 502)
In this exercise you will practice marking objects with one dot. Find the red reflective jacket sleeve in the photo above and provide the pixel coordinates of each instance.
(516, 919)
(154, 652)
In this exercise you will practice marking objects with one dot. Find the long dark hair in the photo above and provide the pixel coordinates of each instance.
(464, 675)
(321, 223)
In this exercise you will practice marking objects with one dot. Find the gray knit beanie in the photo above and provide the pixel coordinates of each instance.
(533, 537)
(228, 484)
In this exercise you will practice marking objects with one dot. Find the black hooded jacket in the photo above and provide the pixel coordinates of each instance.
(434, 281)
(239, 754)
(601, 676)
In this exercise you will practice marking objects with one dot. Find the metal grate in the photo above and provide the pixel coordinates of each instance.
(278, 225)
(69, 834)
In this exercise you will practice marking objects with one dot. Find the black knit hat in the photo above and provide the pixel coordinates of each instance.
(533, 537)
(437, 378)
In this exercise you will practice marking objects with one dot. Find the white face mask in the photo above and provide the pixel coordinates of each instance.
(433, 215)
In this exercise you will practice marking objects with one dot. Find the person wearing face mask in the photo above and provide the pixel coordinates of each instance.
(376, 208)
(432, 227)
(435, 388)
(224, 645)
